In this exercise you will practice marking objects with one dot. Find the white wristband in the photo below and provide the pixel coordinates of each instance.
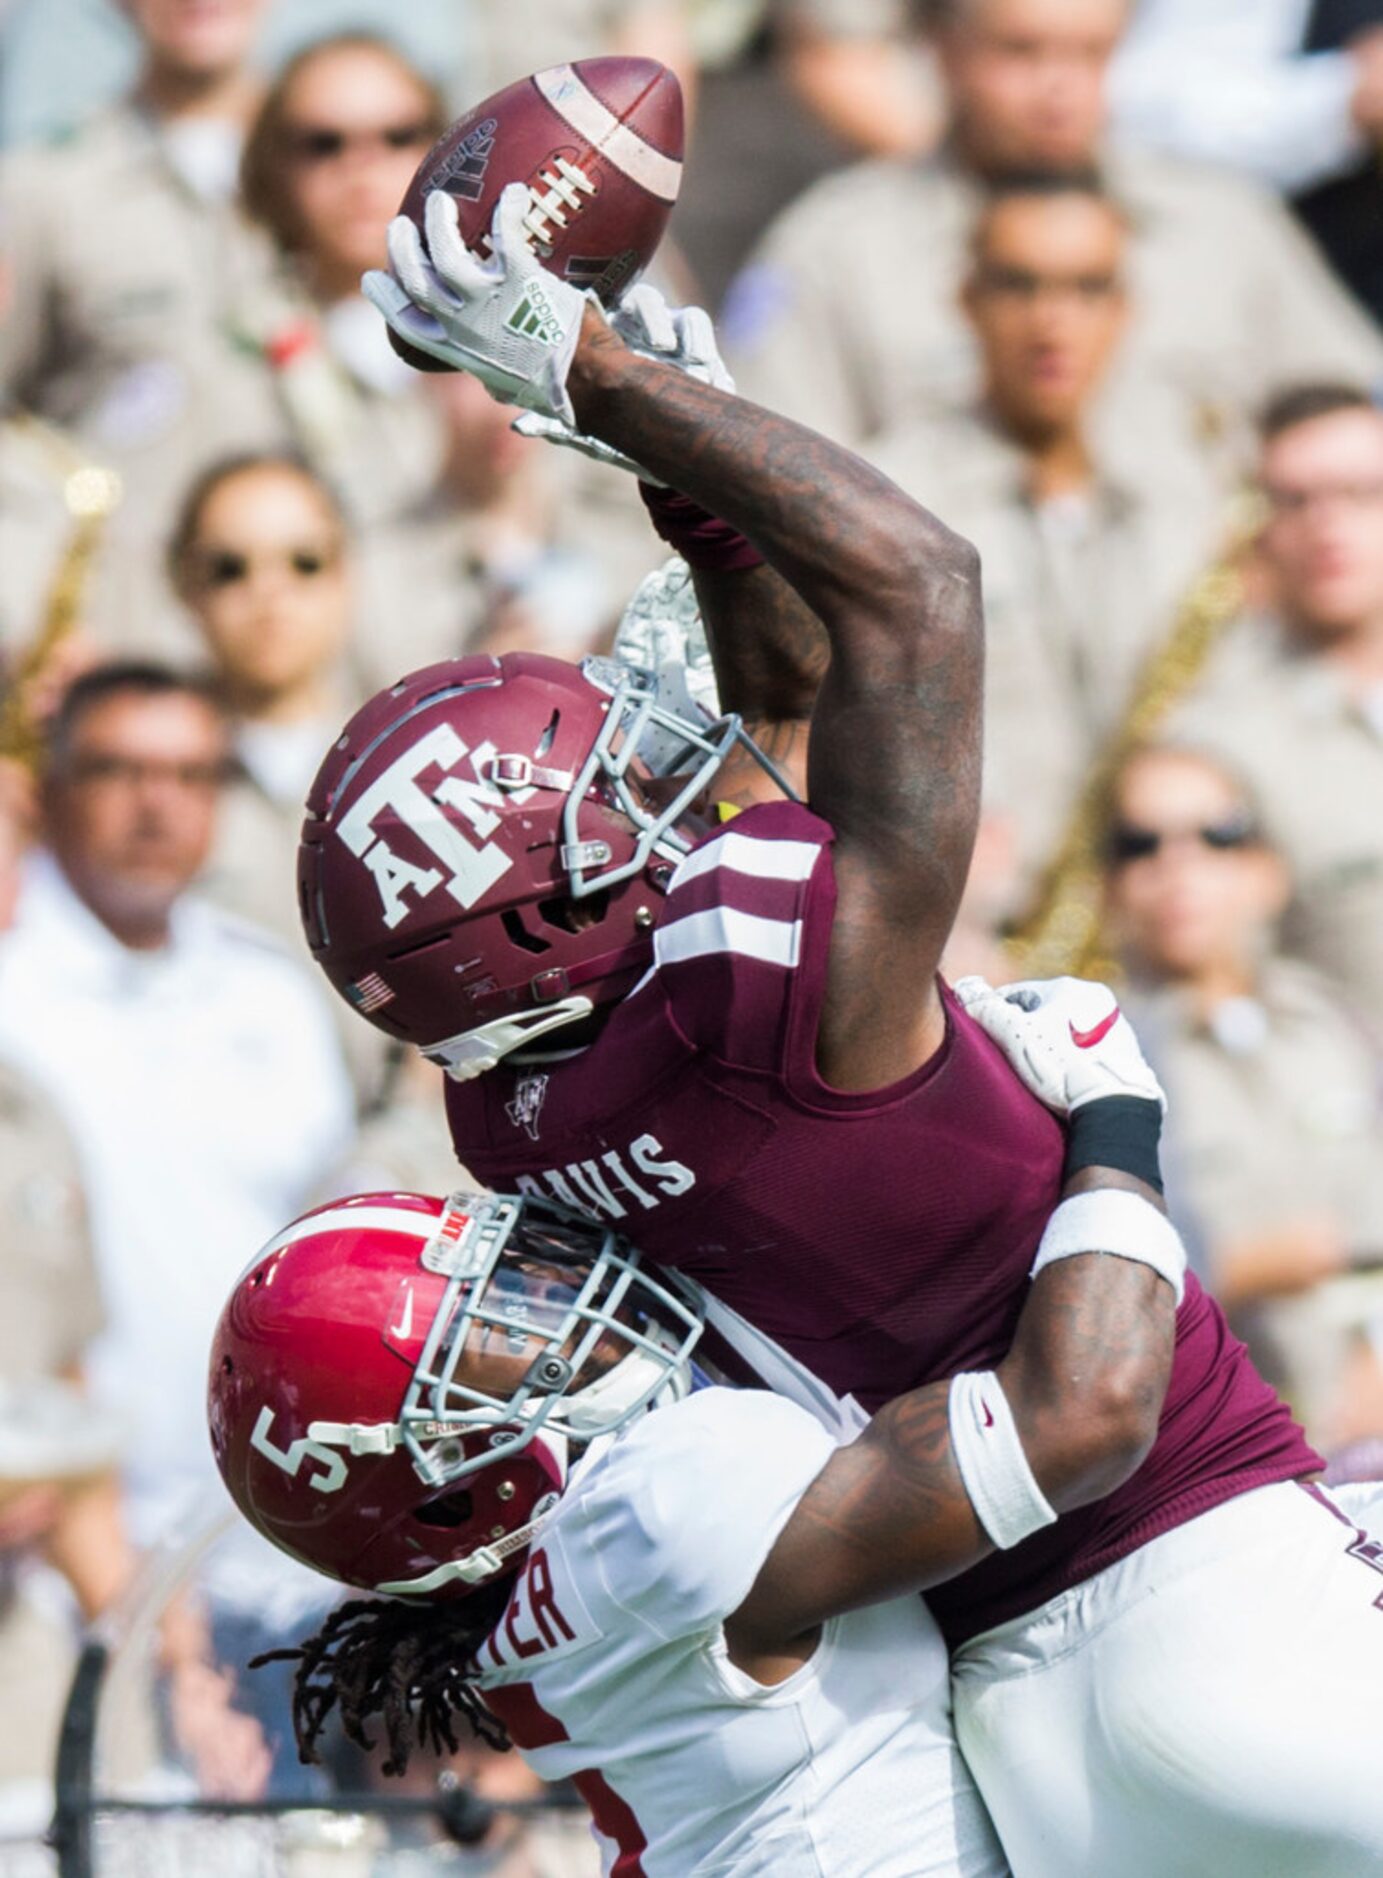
(1122, 1224)
(984, 1439)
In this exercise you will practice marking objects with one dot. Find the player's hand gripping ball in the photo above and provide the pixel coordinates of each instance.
(503, 319)
(598, 147)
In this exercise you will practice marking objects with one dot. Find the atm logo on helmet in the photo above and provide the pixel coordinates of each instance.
(468, 869)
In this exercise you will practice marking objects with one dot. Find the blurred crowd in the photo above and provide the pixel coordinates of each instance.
(1099, 281)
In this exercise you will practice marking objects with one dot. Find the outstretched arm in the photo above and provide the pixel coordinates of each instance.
(894, 753)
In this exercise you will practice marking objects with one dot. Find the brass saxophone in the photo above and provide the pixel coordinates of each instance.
(91, 494)
(1062, 931)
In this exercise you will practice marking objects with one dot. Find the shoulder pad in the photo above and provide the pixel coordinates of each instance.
(685, 1506)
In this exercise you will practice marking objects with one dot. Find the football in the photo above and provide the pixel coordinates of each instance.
(599, 146)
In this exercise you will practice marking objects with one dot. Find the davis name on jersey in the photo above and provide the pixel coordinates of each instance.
(625, 1180)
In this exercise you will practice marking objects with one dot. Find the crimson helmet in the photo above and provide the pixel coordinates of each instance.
(397, 1380)
(482, 859)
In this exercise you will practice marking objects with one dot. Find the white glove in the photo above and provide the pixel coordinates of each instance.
(1066, 1037)
(682, 336)
(505, 320)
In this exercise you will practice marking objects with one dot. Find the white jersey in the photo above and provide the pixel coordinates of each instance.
(609, 1667)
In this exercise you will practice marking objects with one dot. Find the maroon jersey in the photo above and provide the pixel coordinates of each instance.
(884, 1239)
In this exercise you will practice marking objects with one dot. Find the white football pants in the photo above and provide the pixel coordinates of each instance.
(1210, 1707)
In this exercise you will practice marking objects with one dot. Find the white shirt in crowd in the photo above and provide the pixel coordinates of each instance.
(1226, 81)
(206, 1093)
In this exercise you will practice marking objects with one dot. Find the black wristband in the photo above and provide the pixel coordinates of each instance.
(1121, 1132)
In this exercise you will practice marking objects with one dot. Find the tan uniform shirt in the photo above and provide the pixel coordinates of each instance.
(36, 528)
(1312, 757)
(437, 579)
(365, 422)
(50, 1306)
(1077, 592)
(849, 317)
(117, 280)
(1274, 1116)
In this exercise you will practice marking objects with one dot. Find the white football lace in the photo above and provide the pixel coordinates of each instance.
(547, 205)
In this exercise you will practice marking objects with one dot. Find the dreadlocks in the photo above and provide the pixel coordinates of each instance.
(408, 1663)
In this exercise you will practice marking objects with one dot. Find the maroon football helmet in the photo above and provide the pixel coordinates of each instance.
(487, 846)
(396, 1380)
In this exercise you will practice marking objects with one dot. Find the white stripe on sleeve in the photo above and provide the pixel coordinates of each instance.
(744, 854)
(726, 929)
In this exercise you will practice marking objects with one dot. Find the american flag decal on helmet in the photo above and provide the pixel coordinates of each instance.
(369, 993)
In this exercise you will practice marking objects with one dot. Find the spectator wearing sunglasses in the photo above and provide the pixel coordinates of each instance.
(260, 559)
(1295, 702)
(326, 163)
(460, 526)
(1275, 1129)
(122, 252)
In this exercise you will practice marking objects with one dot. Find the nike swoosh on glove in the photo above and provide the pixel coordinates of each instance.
(1066, 1037)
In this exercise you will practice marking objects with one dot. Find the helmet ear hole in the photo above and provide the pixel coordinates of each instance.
(575, 916)
(543, 747)
(451, 1510)
(512, 921)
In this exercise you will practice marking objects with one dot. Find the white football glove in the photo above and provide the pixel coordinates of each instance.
(682, 336)
(1066, 1037)
(505, 320)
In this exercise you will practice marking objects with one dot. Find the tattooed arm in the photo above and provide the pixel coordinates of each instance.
(889, 1513)
(894, 751)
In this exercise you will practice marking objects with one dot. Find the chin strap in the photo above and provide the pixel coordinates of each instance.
(474, 1051)
(487, 1561)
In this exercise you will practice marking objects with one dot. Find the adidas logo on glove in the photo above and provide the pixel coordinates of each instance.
(535, 317)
